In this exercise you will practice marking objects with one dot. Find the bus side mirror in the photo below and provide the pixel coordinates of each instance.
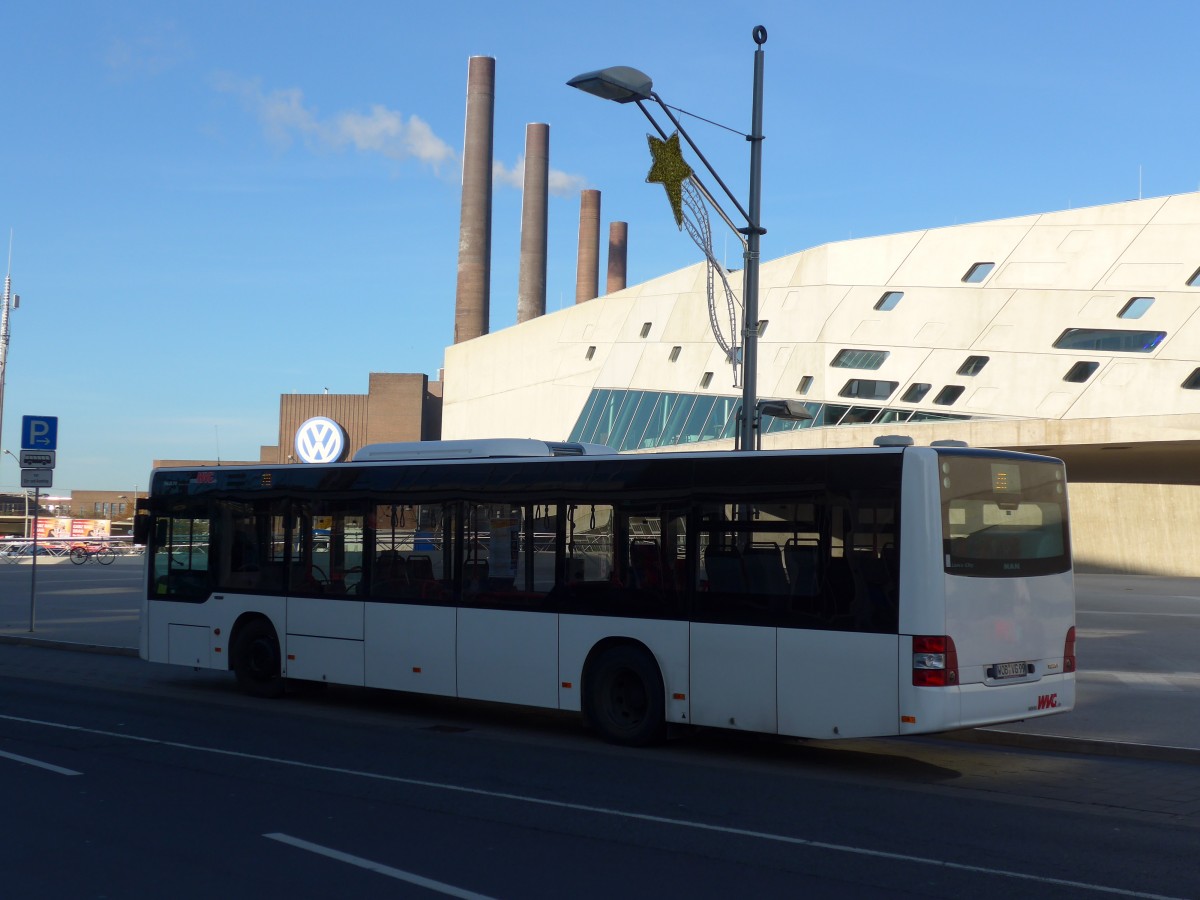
(141, 521)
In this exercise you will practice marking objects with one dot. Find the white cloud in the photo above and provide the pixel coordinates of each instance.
(284, 117)
(563, 184)
(514, 177)
(158, 48)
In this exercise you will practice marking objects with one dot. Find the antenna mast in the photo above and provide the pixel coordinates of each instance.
(4, 327)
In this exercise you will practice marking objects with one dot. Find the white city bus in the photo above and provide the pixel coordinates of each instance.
(819, 594)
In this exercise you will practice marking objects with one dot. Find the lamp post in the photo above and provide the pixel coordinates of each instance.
(623, 84)
(9, 302)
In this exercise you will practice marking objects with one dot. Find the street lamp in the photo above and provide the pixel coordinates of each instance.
(623, 84)
(778, 409)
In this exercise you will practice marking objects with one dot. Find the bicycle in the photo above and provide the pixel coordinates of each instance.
(104, 555)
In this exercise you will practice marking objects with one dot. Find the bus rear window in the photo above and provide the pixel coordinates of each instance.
(1003, 516)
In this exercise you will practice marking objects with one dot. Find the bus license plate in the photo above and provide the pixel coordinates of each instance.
(1011, 670)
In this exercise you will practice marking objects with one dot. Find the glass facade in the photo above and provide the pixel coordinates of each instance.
(642, 420)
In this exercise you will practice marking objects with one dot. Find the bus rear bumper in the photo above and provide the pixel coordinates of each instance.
(930, 709)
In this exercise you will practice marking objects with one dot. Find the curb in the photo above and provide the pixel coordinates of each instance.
(1066, 744)
(49, 644)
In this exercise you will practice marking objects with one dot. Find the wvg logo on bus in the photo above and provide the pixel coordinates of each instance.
(320, 440)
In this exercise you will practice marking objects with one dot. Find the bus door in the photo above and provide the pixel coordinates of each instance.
(507, 628)
(411, 621)
(740, 589)
(325, 635)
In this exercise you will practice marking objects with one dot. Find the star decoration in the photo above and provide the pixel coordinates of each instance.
(669, 170)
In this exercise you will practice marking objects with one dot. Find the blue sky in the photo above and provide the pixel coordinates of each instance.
(215, 204)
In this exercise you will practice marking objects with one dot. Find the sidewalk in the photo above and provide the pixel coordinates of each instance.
(1137, 691)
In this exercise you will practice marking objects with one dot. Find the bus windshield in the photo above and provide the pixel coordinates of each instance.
(1003, 516)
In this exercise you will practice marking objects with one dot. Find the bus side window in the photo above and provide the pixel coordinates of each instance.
(723, 572)
(764, 569)
(863, 592)
(802, 561)
(246, 538)
(589, 546)
(509, 554)
(651, 541)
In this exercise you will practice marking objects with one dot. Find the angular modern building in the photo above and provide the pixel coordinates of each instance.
(1074, 333)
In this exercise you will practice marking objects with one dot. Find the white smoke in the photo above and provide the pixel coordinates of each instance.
(285, 117)
(559, 184)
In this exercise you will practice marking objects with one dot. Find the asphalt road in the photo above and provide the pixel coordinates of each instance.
(125, 779)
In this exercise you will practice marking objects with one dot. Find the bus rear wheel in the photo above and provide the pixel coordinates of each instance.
(624, 697)
(256, 660)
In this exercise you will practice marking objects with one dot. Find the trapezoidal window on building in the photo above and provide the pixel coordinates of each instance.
(1081, 372)
(859, 359)
(916, 392)
(675, 351)
(978, 272)
(1110, 339)
(1192, 382)
(973, 365)
(706, 379)
(1135, 308)
(591, 351)
(949, 394)
(1194, 281)
(889, 300)
(805, 385)
(646, 329)
(868, 389)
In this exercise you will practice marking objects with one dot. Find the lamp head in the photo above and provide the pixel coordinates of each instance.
(784, 409)
(617, 83)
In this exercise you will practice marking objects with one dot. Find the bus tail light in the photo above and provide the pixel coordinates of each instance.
(935, 661)
(1069, 651)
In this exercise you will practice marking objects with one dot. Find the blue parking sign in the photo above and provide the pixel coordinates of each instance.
(39, 432)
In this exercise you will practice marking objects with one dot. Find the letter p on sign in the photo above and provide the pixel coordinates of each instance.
(39, 432)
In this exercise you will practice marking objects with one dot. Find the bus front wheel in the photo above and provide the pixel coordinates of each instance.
(624, 696)
(256, 660)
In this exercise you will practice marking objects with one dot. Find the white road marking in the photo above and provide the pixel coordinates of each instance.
(1163, 681)
(605, 811)
(1134, 612)
(37, 762)
(399, 874)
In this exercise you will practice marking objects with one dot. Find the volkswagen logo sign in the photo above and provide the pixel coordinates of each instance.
(320, 440)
